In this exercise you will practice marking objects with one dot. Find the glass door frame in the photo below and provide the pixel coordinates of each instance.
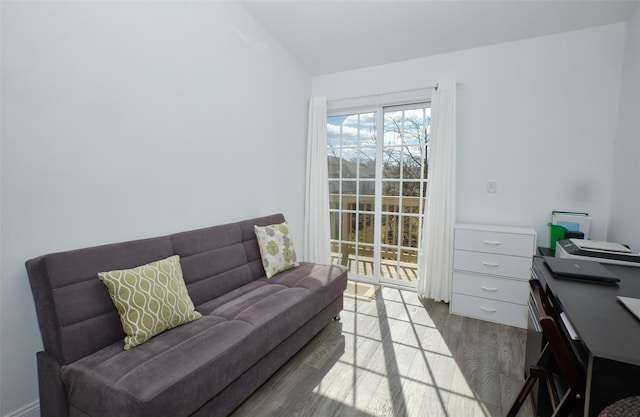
(377, 278)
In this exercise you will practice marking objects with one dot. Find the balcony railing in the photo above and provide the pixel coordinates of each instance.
(353, 243)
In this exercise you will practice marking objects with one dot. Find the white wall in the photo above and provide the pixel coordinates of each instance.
(538, 116)
(125, 120)
(624, 223)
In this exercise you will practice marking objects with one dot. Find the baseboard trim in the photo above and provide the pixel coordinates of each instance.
(31, 410)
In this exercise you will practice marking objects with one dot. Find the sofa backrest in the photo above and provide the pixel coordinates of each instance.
(75, 313)
(219, 259)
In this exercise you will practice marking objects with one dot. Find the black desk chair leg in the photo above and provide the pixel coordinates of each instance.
(522, 396)
(536, 373)
(566, 405)
(556, 356)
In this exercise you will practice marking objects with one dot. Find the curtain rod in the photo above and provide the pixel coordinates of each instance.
(390, 93)
(433, 87)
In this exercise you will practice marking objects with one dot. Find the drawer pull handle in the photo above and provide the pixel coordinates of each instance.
(489, 288)
(494, 264)
(488, 310)
(491, 242)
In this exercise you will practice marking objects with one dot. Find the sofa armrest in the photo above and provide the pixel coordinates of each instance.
(53, 396)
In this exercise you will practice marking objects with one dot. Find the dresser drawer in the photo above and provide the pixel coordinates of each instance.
(494, 264)
(509, 290)
(490, 310)
(495, 242)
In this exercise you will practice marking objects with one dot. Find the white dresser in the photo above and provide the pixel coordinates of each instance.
(491, 270)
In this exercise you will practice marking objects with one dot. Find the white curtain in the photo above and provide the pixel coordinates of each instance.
(435, 260)
(316, 208)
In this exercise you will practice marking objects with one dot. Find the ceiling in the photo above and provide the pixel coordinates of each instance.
(333, 36)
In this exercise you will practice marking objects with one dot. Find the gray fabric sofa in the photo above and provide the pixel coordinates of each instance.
(250, 326)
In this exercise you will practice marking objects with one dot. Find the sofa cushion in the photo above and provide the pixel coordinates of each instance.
(322, 282)
(276, 248)
(150, 299)
(172, 374)
(231, 307)
(178, 371)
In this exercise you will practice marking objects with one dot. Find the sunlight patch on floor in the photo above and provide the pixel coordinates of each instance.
(394, 348)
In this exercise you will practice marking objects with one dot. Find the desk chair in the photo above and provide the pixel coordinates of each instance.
(556, 356)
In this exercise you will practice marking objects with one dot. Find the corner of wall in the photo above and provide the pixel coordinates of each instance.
(31, 410)
(624, 226)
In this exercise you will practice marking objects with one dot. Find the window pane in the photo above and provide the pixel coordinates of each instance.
(350, 130)
(410, 231)
(348, 187)
(408, 256)
(412, 205)
(367, 204)
(392, 128)
(389, 262)
(348, 195)
(390, 193)
(348, 229)
(365, 228)
(334, 225)
(408, 270)
(411, 188)
(348, 255)
(334, 127)
(333, 162)
(368, 129)
(391, 188)
(367, 162)
(335, 253)
(365, 260)
(391, 158)
(412, 166)
(390, 204)
(348, 202)
(334, 194)
(413, 127)
(367, 188)
(390, 225)
(349, 163)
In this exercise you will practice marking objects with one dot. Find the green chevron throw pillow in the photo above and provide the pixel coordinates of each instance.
(276, 248)
(150, 299)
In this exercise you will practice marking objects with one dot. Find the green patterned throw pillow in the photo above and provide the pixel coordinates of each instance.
(150, 299)
(276, 248)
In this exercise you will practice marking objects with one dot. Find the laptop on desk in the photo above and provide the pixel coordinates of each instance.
(588, 271)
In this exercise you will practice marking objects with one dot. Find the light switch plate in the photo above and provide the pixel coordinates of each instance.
(492, 186)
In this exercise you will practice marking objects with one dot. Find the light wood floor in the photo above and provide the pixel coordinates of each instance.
(395, 356)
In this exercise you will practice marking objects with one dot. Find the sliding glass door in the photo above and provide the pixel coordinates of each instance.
(377, 190)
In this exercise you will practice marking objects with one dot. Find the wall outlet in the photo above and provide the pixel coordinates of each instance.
(492, 186)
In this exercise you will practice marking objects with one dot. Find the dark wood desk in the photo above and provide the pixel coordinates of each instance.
(609, 335)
